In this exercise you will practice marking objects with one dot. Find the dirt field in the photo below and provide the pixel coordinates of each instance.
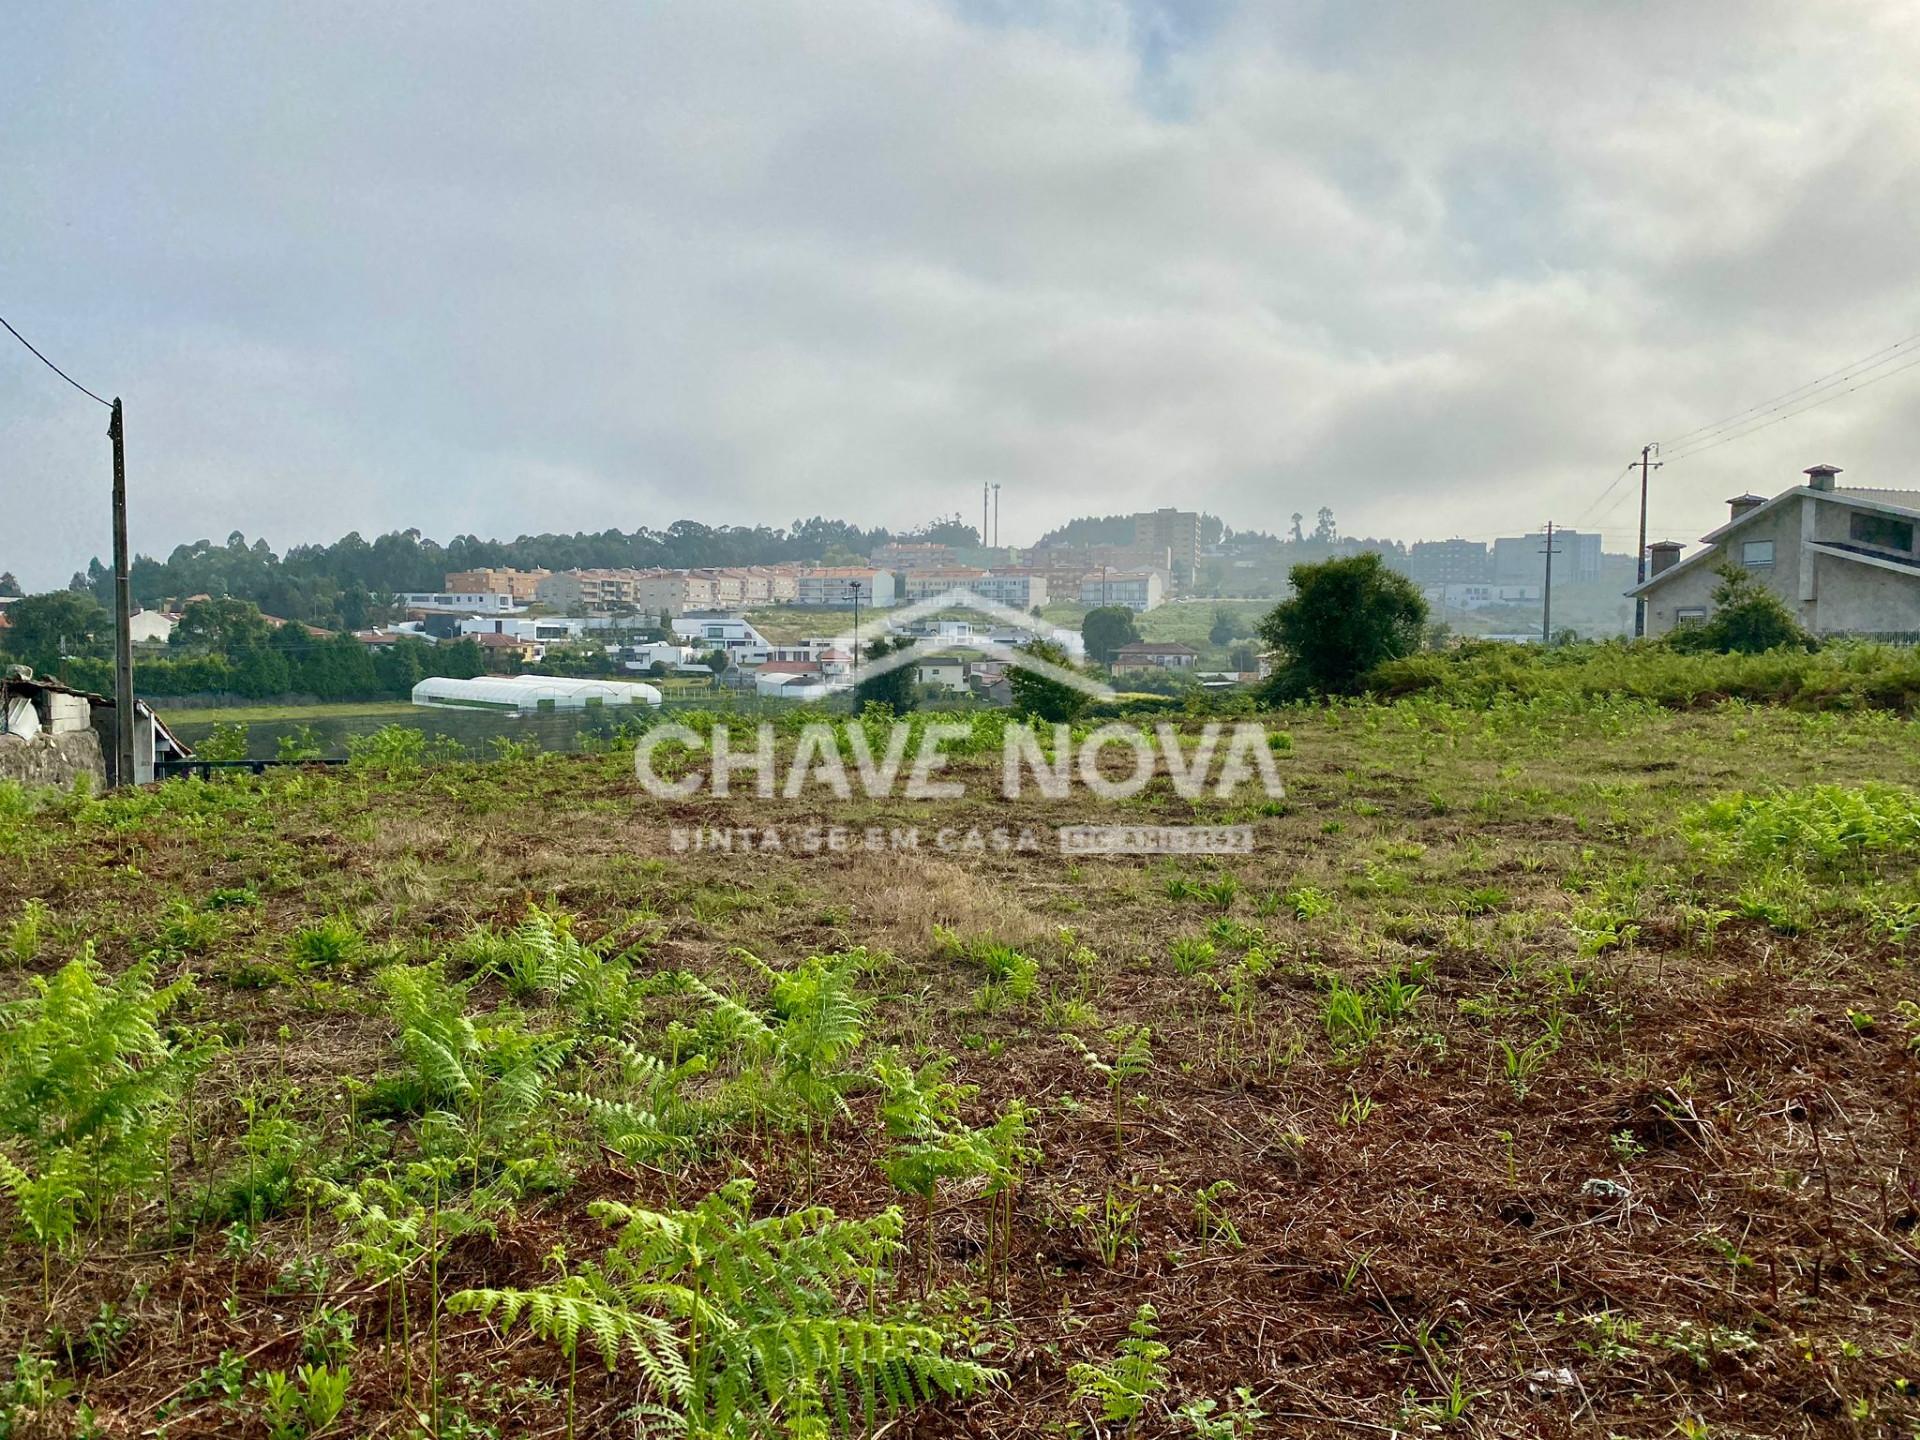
(1503, 1089)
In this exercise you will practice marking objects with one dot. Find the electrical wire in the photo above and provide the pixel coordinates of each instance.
(1799, 392)
(1801, 410)
(1608, 491)
(53, 367)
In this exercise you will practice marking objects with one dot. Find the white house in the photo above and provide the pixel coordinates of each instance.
(1842, 557)
(448, 602)
(745, 646)
(151, 627)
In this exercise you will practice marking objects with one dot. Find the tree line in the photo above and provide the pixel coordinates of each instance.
(344, 584)
(224, 647)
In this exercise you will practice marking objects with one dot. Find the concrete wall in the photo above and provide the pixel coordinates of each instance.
(53, 760)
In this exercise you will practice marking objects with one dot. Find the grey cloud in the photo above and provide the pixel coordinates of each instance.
(508, 268)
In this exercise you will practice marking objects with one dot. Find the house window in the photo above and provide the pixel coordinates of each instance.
(1756, 554)
(1690, 615)
(1881, 530)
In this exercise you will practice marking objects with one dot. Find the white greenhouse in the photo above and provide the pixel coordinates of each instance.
(531, 692)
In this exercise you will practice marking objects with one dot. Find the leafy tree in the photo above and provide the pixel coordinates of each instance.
(1041, 696)
(43, 628)
(1244, 658)
(8, 585)
(1225, 626)
(1107, 628)
(1346, 616)
(226, 625)
(717, 662)
(893, 689)
(1324, 529)
(1747, 618)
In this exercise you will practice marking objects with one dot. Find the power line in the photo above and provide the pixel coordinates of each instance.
(1615, 485)
(53, 367)
(1799, 392)
(1801, 410)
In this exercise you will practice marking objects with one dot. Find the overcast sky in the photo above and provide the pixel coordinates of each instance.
(501, 269)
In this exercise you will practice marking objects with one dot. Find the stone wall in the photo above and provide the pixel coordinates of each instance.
(53, 760)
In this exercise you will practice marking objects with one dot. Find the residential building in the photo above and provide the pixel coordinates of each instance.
(151, 627)
(745, 646)
(1480, 596)
(782, 582)
(1144, 656)
(1449, 562)
(587, 589)
(1138, 590)
(522, 585)
(1522, 559)
(657, 652)
(545, 628)
(503, 652)
(912, 555)
(1842, 557)
(455, 602)
(1176, 532)
(1016, 589)
(932, 581)
(944, 672)
(835, 587)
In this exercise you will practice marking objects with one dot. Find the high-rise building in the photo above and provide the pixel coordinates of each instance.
(1175, 531)
(1519, 559)
(1449, 562)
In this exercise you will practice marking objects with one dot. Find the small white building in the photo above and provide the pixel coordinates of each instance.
(151, 627)
(531, 692)
(745, 646)
(448, 602)
(656, 652)
(545, 628)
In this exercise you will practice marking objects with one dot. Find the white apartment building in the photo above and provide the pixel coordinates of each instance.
(1138, 590)
(835, 586)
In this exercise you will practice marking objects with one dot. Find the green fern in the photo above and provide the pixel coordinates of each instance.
(90, 1092)
(735, 1325)
(796, 1054)
(1137, 1373)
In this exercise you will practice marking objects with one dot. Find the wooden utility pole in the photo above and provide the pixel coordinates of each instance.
(1546, 613)
(1640, 572)
(122, 607)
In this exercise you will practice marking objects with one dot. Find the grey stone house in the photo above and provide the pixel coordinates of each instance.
(1842, 557)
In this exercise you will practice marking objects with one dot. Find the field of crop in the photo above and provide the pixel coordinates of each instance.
(1549, 1068)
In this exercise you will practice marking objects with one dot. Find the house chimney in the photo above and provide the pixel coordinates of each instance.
(1664, 555)
(1820, 477)
(1741, 504)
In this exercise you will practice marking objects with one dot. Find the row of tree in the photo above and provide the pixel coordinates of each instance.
(343, 584)
(225, 647)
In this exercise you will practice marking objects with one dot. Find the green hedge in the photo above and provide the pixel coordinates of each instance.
(1842, 675)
